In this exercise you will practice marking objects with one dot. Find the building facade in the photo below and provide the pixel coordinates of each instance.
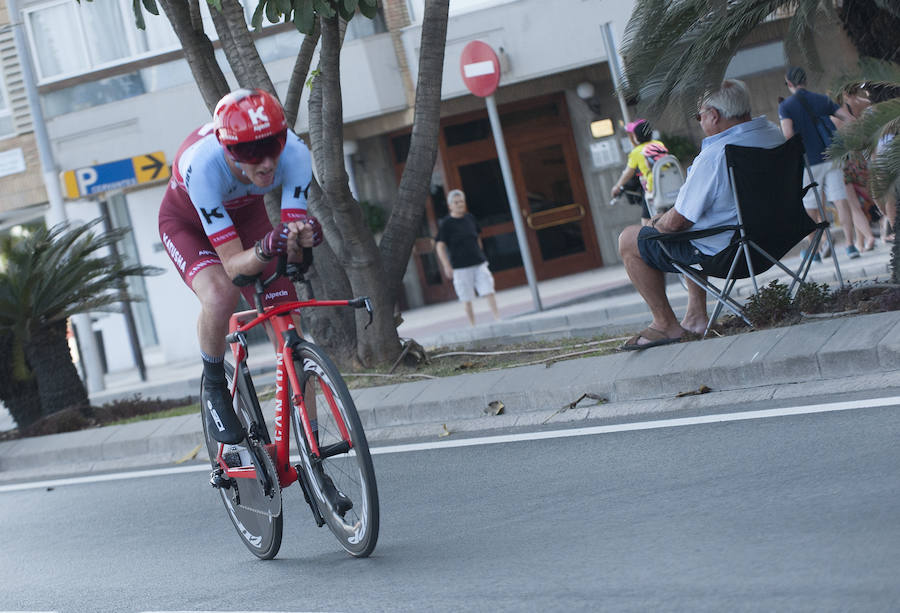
(110, 92)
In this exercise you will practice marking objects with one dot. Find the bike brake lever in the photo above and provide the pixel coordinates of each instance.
(362, 302)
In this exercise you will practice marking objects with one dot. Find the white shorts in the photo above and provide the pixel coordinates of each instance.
(471, 278)
(830, 178)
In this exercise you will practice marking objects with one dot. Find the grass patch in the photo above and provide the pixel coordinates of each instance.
(452, 361)
(173, 412)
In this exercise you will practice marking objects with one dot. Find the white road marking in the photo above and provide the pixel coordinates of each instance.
(502, 438)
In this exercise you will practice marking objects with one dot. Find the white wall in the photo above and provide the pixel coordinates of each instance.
(538, 37)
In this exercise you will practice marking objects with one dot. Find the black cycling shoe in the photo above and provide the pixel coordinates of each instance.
(221, 422)
(339, 502)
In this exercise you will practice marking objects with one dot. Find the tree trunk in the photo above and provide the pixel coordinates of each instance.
(333, 329)
(299, 75)
(239, 47)
(343, 221)
(18, 389)
(58, 383)
(406, 216)
(895, 248)
(198, 51)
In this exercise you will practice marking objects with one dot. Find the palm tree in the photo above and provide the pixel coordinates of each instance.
(49, 276)
(675, 51)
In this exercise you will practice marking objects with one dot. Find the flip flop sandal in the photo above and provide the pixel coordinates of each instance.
(655, 338)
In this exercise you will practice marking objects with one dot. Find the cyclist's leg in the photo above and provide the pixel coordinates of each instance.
(198, 264)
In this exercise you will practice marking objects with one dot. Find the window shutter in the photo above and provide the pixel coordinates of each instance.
(15, 87)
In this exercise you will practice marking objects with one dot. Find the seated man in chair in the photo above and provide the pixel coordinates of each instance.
(705, 200)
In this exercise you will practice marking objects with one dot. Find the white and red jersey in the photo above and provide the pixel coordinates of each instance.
(200, 170)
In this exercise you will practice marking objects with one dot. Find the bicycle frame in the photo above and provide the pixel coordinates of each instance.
(279, 317)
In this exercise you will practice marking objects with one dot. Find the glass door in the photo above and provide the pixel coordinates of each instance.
(554, 208)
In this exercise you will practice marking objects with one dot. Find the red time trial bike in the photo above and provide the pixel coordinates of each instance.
(334, 470)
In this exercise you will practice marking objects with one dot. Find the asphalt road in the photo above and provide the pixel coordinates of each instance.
(798, 513)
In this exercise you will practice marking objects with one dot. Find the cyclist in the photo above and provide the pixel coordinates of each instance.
(640, 163)
(214, 225)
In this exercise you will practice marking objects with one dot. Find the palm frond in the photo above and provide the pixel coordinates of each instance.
(61, 271)
(863, 134)
(677, 51)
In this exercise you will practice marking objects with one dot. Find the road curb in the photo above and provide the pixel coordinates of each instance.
(838, 354)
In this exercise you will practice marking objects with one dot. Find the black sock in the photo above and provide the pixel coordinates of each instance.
(213, 369)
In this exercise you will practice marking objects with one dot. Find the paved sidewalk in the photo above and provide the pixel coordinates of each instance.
(842, 354)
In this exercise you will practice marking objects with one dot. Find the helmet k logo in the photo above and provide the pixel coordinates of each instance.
(258, 115)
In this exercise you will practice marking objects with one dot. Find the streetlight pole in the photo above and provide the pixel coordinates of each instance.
(90, 354)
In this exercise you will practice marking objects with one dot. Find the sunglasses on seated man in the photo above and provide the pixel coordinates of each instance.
(256, 151)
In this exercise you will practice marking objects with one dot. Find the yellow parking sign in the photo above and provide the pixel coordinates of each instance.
(92, 180)
(150, 167)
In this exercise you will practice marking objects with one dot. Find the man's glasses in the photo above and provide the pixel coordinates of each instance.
(699, 114)
(256, 151)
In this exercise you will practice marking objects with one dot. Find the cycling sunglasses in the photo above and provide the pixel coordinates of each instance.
(256, 151)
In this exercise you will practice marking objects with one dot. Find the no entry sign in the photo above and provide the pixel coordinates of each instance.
(480, 68)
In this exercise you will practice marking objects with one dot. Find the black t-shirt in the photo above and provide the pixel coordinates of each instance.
(460, 234)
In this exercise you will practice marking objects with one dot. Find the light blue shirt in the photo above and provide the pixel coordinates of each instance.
(706, 198)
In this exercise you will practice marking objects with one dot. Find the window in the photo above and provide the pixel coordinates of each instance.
(361, 26)
(69, 38)
(6, 119)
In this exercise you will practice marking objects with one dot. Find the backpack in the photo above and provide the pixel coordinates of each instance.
(668, 177)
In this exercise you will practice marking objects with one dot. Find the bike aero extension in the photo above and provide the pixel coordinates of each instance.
(335, 470)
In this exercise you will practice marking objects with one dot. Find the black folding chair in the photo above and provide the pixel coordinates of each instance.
(768, 187)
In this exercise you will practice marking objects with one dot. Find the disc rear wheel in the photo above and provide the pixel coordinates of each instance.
(253, 504)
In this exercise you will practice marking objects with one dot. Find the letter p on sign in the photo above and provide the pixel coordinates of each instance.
(85, 178)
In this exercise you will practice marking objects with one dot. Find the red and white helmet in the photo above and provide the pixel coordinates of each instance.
(250, 124)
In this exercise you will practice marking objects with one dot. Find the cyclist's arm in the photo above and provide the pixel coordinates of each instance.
(239, 261)
(624, 178)
(295, 164)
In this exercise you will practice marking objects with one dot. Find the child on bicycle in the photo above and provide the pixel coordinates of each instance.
(644, 153)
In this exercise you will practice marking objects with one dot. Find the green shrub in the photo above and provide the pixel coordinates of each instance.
(770, 306)
(812, 297)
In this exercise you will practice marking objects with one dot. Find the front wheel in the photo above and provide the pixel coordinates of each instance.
(350, 470)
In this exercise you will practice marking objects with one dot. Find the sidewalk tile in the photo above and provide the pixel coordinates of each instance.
(889, 347)
(794, 356)
(639, 376)
(742, 364)
(853, 348)
(695, 365)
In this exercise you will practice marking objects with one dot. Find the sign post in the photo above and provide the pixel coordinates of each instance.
(481, 74)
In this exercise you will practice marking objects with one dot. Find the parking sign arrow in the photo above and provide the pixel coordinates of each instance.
(155, 166)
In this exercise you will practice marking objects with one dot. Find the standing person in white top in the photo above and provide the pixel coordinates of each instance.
(704, 201)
